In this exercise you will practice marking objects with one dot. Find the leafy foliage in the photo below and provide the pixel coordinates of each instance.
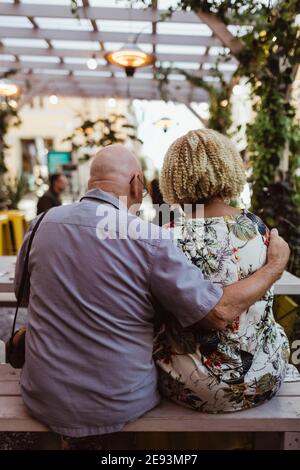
(274, 132)
(101, 132)
(9, 116)
(74, 8)
(219, 96)
(229, 11)
(12, 191)
(219, 100)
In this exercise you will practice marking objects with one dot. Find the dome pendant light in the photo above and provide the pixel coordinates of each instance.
(130, 57)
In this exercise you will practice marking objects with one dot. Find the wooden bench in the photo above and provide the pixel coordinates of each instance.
(275, 424)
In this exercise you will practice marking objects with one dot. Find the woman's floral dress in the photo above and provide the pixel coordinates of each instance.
(244, 365)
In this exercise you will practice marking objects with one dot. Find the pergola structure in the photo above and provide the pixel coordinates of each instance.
(50, 47)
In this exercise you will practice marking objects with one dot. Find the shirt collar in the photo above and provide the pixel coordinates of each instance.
(103, 196)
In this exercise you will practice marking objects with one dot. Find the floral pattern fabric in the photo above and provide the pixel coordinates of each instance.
(243, 365)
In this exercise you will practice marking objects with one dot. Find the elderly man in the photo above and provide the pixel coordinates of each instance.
(89, 367)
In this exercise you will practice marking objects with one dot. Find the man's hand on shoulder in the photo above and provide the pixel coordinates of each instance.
(278, 254)
(238, 297)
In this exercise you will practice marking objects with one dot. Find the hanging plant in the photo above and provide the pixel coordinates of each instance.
(12, 191)
(94, 134)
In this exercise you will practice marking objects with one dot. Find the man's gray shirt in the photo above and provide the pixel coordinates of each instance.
(89, 367)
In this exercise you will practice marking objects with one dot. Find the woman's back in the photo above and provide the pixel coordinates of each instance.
(241, 366)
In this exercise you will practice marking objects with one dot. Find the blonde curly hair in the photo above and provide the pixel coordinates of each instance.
(199, 166)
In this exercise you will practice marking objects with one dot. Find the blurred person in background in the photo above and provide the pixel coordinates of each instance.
(162, 210)
(57, 185)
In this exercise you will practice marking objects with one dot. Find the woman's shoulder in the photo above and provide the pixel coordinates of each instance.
(242, 224)
(247, 227)
(257, 222)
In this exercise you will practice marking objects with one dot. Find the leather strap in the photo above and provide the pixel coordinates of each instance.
(25, 273)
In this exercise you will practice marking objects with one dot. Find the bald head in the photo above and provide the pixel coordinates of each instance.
(112, 170)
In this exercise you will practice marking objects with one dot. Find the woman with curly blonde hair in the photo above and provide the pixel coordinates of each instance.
(245, 364)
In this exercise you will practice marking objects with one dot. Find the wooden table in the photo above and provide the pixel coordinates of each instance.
(7, 270)
(287, 285)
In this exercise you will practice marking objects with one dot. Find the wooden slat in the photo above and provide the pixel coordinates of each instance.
(221, 32)
(289, 389)
(105, 36)
(281, 414)
(103, 13)
(168, 57)
(14, 416)
(26, 64)
(7, 298)
(288, 284)
(291, 441)
(11, 376)
(7, 372)
(9, 388)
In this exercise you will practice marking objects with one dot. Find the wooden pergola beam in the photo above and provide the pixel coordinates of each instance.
(103, 13)
(99, 91)
(39, 65)
(104, 36)
(163, 57)
(221, 32)
(95, 14)
(98, 81)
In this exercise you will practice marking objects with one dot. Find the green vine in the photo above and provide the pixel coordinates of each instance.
(229, 11)
(270, 56)
(219, 97)
(220, 117)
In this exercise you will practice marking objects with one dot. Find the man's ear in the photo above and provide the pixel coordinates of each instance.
(134, 187)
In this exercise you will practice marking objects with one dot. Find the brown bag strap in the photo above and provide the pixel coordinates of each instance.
(25, 274)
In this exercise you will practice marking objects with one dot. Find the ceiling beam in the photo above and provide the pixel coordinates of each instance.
(136, 94)
(86, 5)
(154, 32)
(163, 57)
(27, 64)
(83, 89)
(105, 36)
(119, 14)
(33, 22)
(66, 80)
(221, 32)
